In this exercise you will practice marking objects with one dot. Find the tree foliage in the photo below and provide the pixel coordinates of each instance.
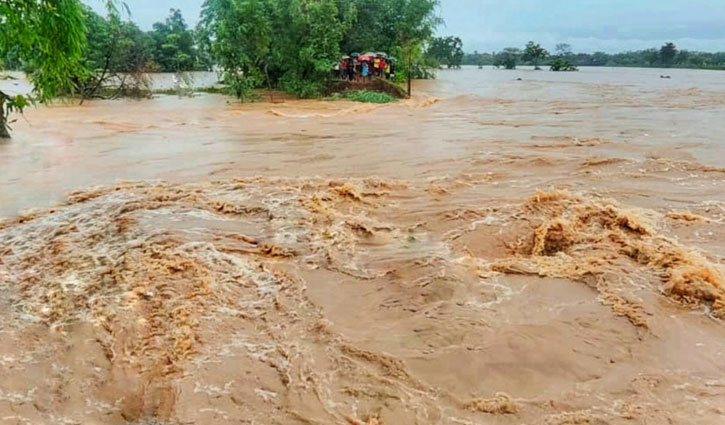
(668, 52)
(508, 58)
(534, 54)
(447, 50)
(47, 34)
(294, 44)
(174, 44)
(666, 56)
(562, 64)
(113, 46)
(478, 59)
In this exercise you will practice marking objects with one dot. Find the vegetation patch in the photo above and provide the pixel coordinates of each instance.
(560, 64)
(365, 96)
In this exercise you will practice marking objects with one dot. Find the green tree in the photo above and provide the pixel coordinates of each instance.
(668, 52)
(48, 34)
(561, 64)
(239, 34)
(415, 25)
(534, 54)
(175, 50)
(311, 46)
(447, 50)
(113, 46)
(294, 44)
(508, 58)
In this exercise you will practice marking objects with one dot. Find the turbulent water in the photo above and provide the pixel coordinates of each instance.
(504, 248)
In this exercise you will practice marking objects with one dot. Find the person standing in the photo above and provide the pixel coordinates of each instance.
(365, 69)
(343, 68)
(350, 70)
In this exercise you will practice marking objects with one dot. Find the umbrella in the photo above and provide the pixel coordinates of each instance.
(345, 57)
(354, 55)
(383, 54)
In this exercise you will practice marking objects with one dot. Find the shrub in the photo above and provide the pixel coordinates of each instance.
(562, 65)
(366, 96)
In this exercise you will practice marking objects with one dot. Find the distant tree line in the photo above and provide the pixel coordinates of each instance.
(121, 46)
(667, 56)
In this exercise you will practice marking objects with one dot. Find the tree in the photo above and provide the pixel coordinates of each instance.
(241, 34)
(294, 44)
(563, 50)
(113, 47)
(561, 64)
(415, 25)
(175, 50)
(534, 53)
(312, 43)
(48, 34)
(668, 52)
(508, 58)
(447, 50)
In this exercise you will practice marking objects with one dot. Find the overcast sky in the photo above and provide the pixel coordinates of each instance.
(588, 25)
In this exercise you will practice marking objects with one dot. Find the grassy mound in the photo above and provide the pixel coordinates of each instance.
(365, 96)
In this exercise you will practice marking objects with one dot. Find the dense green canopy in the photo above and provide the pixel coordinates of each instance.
(447, 51)
(294, 44)
(49, 34)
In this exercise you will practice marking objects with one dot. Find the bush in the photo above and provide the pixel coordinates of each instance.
(366, 96)
(562, 65)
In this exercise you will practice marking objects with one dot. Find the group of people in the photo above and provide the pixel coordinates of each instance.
(368, 65)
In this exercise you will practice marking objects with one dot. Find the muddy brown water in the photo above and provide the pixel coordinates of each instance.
(544, 251)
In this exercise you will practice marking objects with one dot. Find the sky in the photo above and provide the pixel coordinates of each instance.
(588, 25)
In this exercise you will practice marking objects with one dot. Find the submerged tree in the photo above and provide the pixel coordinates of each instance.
(563, 59)
(534, 53)
(49, 35)
(561, 64)
(508, 58)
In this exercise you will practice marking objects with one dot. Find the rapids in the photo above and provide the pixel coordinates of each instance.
(543, 251)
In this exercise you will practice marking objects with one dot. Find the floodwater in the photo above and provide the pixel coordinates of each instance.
(506, 247)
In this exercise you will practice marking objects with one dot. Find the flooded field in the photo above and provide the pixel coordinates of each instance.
(506, 247)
